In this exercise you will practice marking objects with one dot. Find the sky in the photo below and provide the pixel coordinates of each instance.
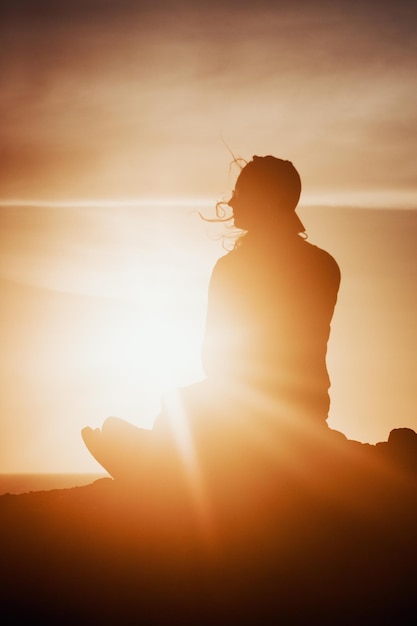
(116, 98)
(118, 120)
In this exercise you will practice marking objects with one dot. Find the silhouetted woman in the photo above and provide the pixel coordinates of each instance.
(271, 300)
(270, 305)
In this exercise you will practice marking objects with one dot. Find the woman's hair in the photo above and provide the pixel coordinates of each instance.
(223, 208)
(269, 184)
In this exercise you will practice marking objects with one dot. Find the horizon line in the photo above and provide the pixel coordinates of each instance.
(359, 199)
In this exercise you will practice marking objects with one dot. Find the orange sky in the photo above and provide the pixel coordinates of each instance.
(109, 99)
(105, 100)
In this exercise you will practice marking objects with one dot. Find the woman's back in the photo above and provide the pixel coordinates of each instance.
(268, 321)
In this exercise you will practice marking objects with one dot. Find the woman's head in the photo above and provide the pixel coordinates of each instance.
(266, 193)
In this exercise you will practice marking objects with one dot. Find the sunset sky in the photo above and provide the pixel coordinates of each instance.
(114, 119)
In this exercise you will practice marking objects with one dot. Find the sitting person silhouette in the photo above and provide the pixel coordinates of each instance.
(270, 305)
(272, 299)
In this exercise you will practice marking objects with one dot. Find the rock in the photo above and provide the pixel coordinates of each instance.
(402, 448)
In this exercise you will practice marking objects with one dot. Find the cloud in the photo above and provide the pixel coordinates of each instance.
(104, 98)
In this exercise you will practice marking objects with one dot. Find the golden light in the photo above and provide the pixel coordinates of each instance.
(105, 310)
(158, 340)
(182, 436)
(104, 306)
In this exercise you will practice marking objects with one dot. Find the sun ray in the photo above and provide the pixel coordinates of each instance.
(182, 436)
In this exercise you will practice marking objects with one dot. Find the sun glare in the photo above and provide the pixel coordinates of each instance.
(138, 349)
(170, 351)
(178, 419)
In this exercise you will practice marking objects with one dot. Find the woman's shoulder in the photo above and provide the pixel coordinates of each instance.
(229, 257)
(322, 258)
(293, 253)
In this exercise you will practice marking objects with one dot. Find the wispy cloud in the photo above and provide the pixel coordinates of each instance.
(114, 99)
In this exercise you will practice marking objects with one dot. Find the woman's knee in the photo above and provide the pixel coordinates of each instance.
(116, 427)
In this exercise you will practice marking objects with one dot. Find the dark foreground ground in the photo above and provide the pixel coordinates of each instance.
(330, 541)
